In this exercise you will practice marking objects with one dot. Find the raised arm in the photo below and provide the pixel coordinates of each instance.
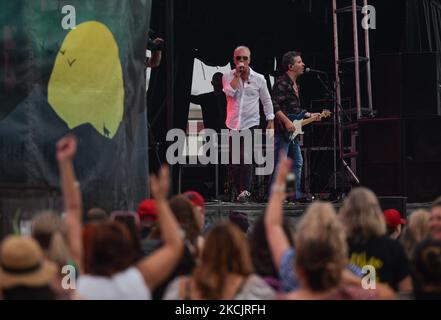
(159, 265)
(230, 85)
(155, 60)
(66, 149)
(278, 242)
(196, 99)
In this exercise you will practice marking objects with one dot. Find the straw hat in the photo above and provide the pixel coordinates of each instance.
(22, 264)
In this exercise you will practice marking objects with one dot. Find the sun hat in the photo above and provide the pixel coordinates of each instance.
(22, 263)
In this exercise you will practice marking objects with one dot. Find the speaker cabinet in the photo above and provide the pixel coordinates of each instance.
(397, 203)
(202, 178)
(408, 84)
(423, 139)
(423, 181)
(388, 85)
(422, 84)
(401, 157)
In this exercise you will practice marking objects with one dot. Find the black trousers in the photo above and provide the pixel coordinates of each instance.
(241, 175)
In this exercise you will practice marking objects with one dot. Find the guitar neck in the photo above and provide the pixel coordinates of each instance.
(324, 114)
(308, 121)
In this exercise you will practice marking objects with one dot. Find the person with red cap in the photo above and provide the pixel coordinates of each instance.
(147, 211)
(393, 223)
(198, 202)
(148, 216)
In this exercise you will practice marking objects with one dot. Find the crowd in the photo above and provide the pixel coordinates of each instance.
(165, 250)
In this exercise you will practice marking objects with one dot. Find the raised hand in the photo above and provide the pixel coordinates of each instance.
(158, 41)
(240, 69)
(66, 148)
(160, 185)
(65, 151)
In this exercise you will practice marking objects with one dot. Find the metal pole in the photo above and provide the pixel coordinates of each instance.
(170, 67)
(356, 58)
(368, 66)
(353, 175)
(336, 87)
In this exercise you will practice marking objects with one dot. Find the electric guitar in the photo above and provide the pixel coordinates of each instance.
(299, 123)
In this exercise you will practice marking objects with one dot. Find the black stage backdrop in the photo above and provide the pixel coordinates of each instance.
(423, 26)
(210, 30)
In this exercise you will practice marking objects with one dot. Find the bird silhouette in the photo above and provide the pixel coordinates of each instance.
(106, 131)
(71, 62)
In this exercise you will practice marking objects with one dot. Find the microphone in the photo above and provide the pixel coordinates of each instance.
(309, 70)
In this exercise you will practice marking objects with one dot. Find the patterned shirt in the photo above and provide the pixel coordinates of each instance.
(288, 277)
(285, 100)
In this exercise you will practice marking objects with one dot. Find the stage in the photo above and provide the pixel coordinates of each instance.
(215, 211)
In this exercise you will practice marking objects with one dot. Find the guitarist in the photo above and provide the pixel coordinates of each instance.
(286, 100)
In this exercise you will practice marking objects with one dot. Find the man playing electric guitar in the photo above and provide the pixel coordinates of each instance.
(299, 122)
(286, 102)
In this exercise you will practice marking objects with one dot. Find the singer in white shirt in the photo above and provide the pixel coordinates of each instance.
(244, 88)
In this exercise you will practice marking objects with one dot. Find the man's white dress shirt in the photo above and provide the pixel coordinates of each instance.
(243, 102)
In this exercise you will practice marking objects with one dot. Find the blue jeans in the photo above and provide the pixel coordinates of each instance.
(292, 150)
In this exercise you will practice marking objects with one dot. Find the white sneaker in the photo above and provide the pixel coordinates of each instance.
(244, 196)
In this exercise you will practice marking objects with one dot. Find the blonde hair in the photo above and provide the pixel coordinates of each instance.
(49, 231)
(417, 229)
(321, 248)
(362, 216)
(225, 252)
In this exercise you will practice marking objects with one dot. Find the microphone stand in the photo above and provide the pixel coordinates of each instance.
(337, 126)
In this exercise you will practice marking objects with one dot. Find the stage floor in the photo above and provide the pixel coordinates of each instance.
(215, 211)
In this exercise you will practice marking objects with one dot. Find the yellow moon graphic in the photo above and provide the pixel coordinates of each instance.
(86, 84)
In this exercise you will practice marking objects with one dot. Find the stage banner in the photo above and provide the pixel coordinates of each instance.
(75, 66)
